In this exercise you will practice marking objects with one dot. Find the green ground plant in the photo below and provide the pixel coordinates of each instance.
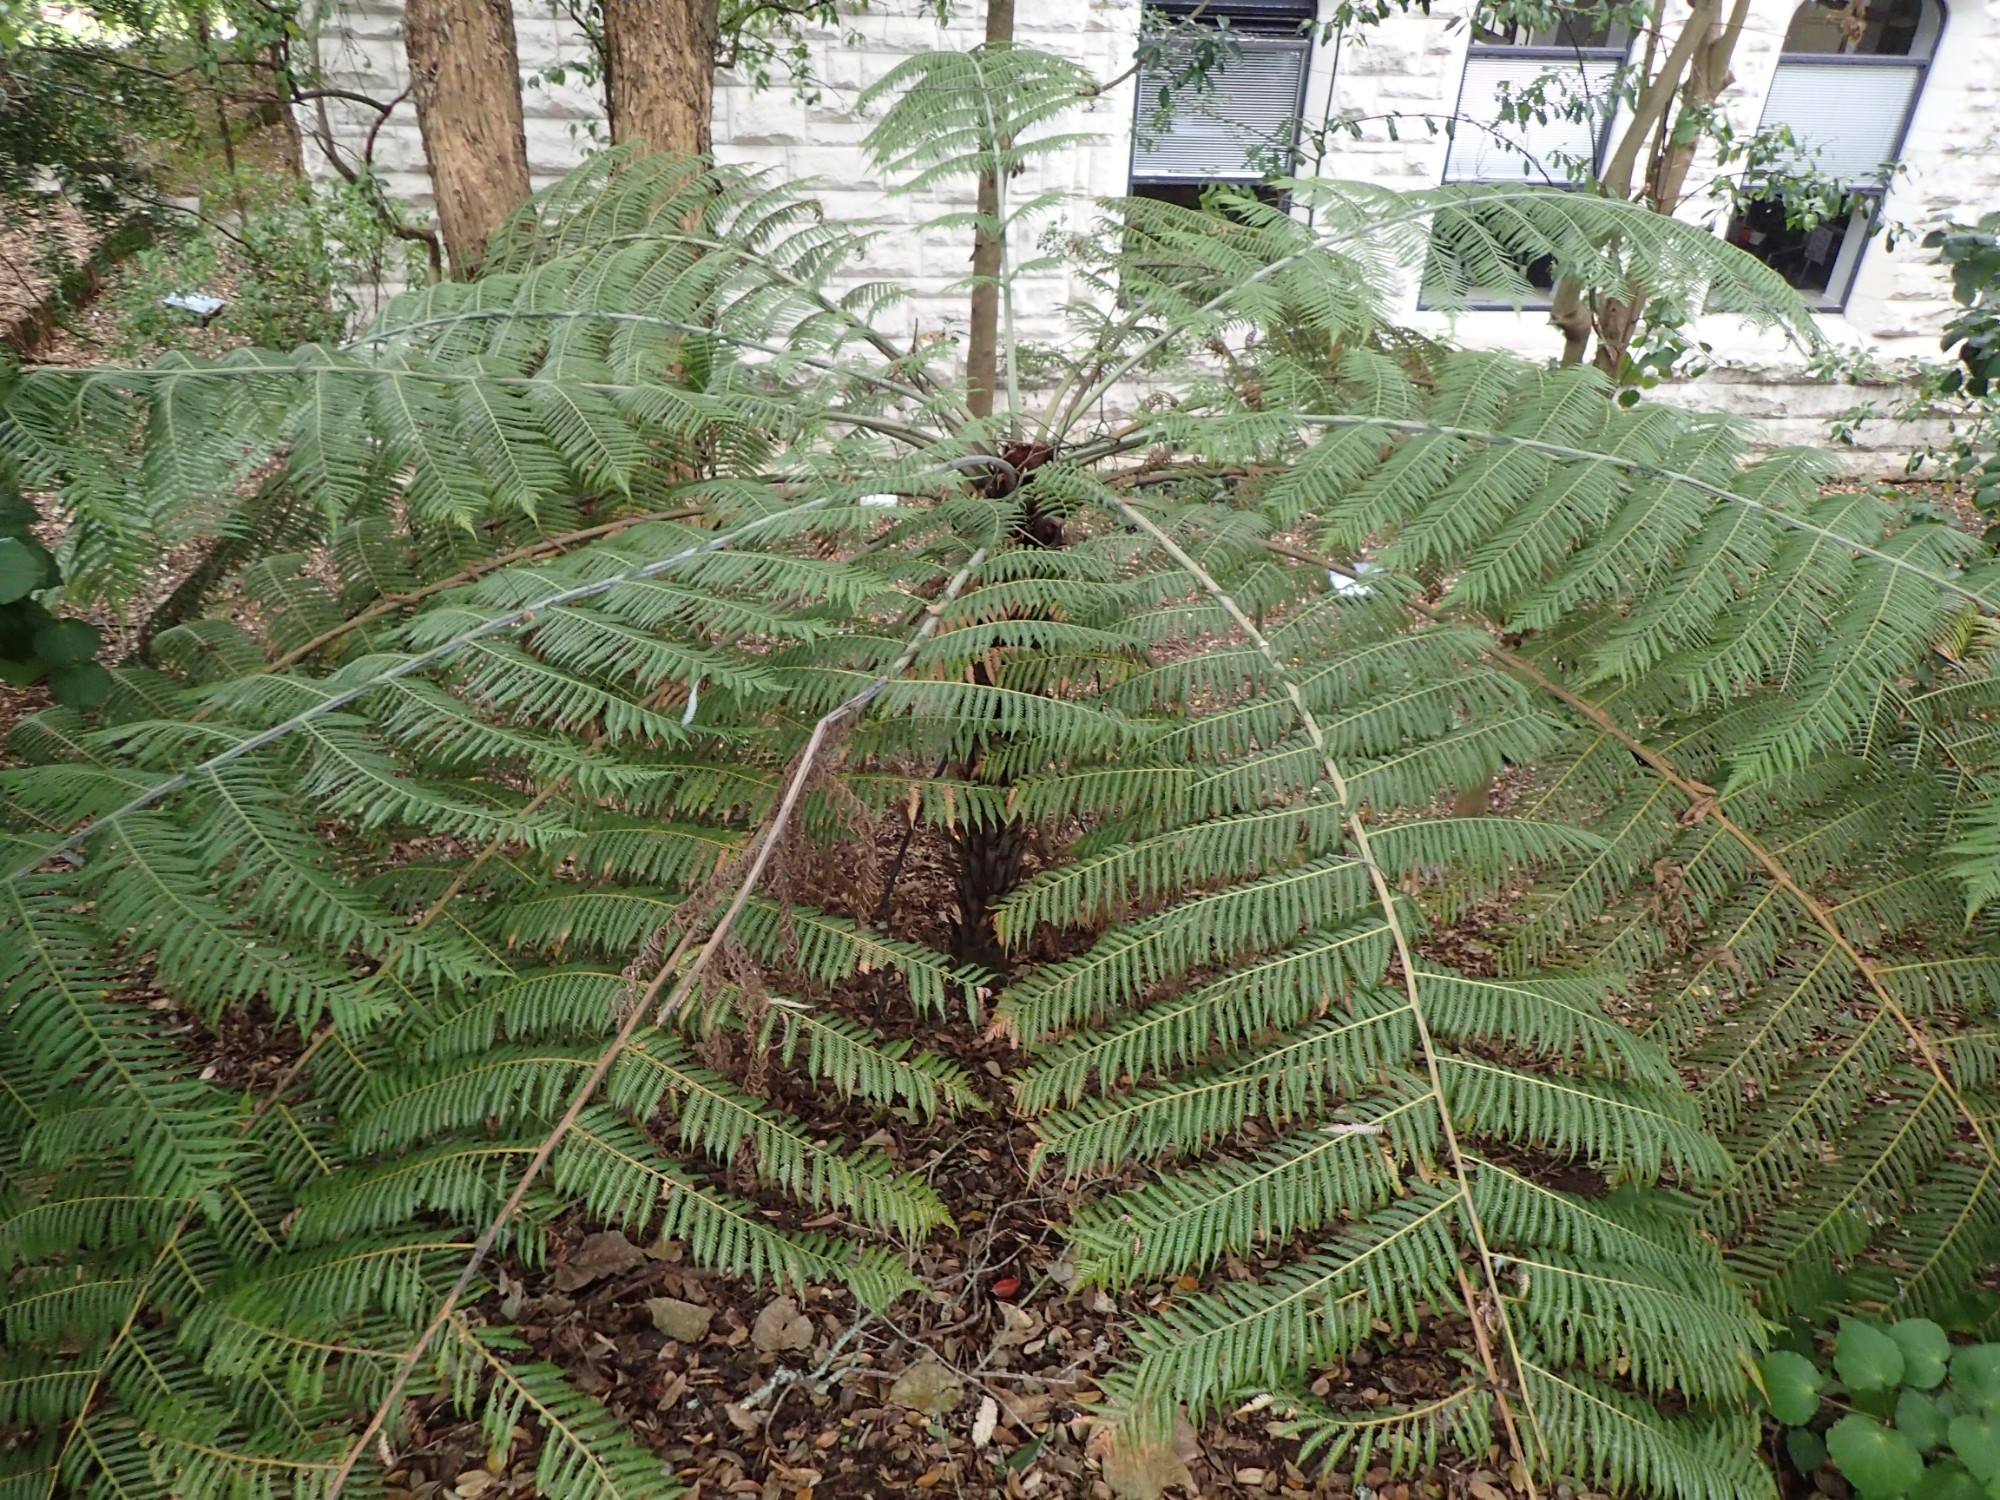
(1896, 1410)
(504, 792)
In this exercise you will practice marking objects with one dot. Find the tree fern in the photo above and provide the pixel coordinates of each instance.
(511, 787)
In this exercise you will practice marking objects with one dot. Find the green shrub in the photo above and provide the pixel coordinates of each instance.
(1897, 1410)
(508, 796)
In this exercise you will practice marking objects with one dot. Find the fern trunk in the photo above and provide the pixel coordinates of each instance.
(982, 343)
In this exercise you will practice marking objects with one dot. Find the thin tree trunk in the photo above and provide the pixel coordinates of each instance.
(982, 345)
(1666, 177)
(659, 65)
(465, 76)
(1571, 312)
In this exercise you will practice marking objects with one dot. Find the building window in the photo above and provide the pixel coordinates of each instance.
(1566, 72)
(1563, 76)
(1846, 85)
(1223, 109)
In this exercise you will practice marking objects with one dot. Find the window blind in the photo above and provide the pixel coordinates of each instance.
(1230, 129)
(1853, 112)
(1507, 152)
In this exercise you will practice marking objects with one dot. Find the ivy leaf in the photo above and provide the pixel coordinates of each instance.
(1867, 1358)
(1878, 1461)
(1926, 1352)
(1791, 1385)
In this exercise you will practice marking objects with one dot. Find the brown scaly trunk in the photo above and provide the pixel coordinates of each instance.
(989, 857)
(465, 76)
(982, 344)
(659, 66)
(1666, 177)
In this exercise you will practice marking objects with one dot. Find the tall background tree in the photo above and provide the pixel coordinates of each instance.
(465, 76)
(659, 71)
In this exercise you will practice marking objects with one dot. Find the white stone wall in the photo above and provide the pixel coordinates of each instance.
(1409, 67)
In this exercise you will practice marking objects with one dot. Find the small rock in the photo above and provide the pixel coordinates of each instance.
(927, 1387)
(599, 1255)
(781, 1326)
(685, 1321)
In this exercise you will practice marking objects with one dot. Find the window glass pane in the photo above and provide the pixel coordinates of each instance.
(1484, 148)
(1865, 28)
(1240, 125)
(1820, 261)
(1589, 28)
(1852, 113)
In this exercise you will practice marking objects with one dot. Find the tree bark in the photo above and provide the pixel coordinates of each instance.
(465, 76)
(982, 343)
(659, 67)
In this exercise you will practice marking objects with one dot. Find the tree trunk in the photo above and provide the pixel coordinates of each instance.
(659, 66)
(1666, 176)
(1571, 313)
(982, 343)
(465, 76)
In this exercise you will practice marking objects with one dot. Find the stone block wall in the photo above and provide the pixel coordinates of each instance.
(1394, 76)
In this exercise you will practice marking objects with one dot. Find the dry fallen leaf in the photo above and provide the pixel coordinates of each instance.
(686, 1321)
(1146, 1473)
(781, 1326)
(985, 1422)
(600, 1255)
(927, 1387)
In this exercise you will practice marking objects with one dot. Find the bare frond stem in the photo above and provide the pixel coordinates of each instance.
(547, 547)
(773, 836)
(1357, 830)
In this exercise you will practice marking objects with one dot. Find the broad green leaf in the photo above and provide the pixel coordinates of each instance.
(1946, 1480)
(20, 569)
(1867, 1358)
(1791, 1385)
(1926, 1351)
(1878, 1461)
(1918, 1417)
(1806, 1449)
(1976, 1442)
(1975, 1374)
(68, 643)
(83, 685)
